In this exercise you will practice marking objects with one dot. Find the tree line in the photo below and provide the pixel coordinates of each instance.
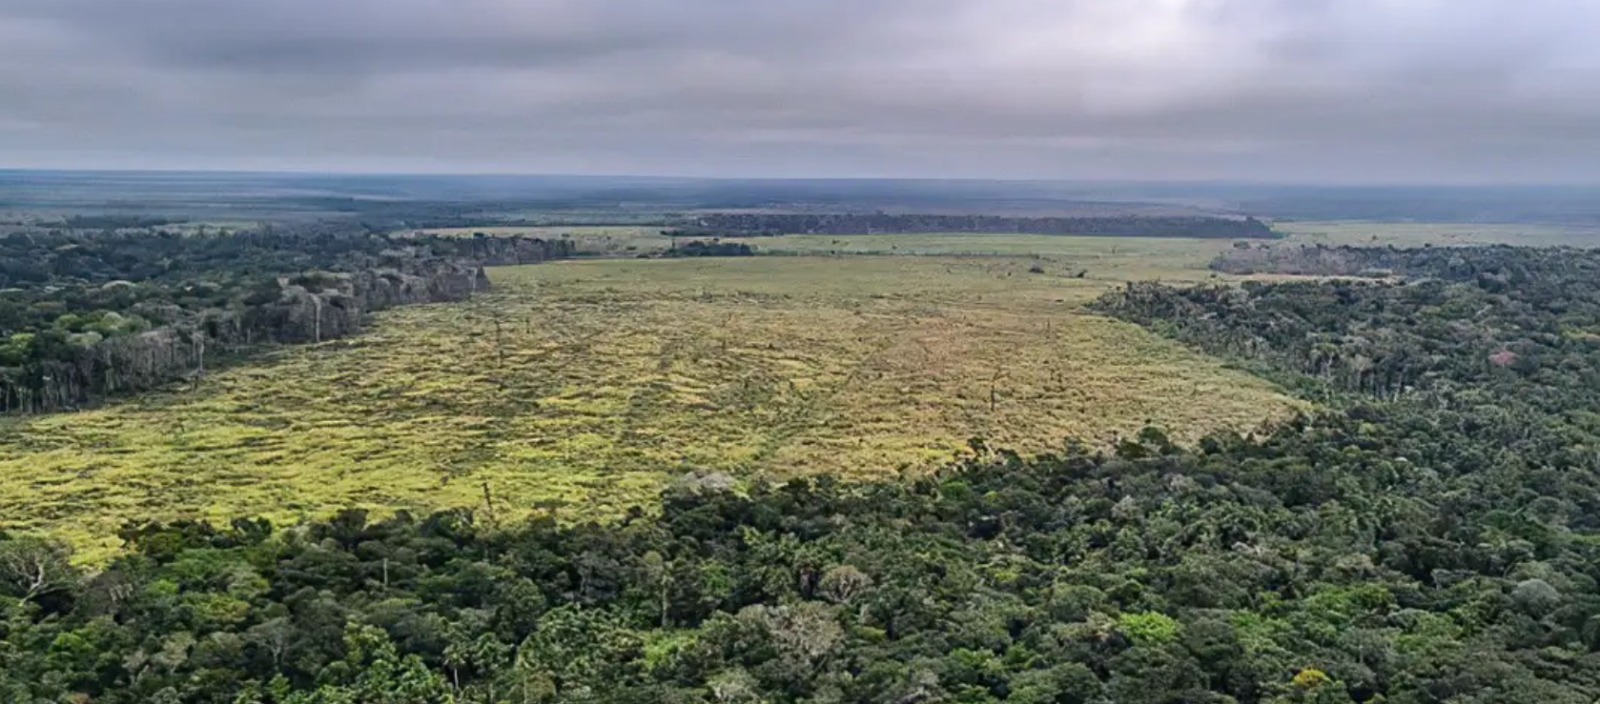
(1446, 263)
(87, 314)
(703, 248)
(1436, 544)
(769, 224)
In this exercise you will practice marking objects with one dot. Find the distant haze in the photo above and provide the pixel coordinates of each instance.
(1346, 91)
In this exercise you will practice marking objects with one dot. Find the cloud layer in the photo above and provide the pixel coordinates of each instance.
(1305, 90)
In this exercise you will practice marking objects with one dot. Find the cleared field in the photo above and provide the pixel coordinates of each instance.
(1416, 234)
(625, 240)
(599, 239)
(1100, 258)
(1119, 258)
(582, 387)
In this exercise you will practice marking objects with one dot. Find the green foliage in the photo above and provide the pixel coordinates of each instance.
(581, 388)
(74, 305)
(1311, 678)
(1149, 628)
(869, 593)
(1432, 546)
(712, 248)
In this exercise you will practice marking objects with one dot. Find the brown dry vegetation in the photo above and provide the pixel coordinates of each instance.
(582, 387)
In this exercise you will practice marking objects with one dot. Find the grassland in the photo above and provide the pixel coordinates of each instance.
(1110, 258)
(582, 387)
(594, 239)
(1100, 258)
(1417, 234)
(628, 240)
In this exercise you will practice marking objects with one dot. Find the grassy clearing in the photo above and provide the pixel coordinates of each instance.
(597, 239)
(583, 386)
(624, 240)
(1102, 258)
(1107, 258)
(1417, 234)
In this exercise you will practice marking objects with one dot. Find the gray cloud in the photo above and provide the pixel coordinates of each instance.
(1339, 90)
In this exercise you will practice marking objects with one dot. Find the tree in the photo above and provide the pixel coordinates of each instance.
(32, 569)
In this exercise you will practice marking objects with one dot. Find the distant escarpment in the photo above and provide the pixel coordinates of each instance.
(95, 315)
(765, 224)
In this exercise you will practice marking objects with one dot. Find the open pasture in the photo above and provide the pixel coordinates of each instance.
(1418, 234)
(615, 240)
(1105, 259)
(583, 387)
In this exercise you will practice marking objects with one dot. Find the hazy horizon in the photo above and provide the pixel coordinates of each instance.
(1361, 92)
(735, 178)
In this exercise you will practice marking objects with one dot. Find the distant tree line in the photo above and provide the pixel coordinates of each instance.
(1451, 263)
(767, 224)
(708, 248)
(84, 315)
(1430, 534)
(112, 221)
(1461, 321)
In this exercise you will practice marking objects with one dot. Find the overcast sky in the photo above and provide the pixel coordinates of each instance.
(1258, 90)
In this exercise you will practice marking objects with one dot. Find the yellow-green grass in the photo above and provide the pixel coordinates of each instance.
(1102, 258)
(583, 387)
(626, 239)
(595, 239)
(1417, 234)
(1114, 257)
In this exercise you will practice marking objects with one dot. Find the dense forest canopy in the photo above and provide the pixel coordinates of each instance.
(84, 314)
(1430, 535)
(1526, 265)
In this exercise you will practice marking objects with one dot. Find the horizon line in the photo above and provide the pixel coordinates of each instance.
(1285, 183)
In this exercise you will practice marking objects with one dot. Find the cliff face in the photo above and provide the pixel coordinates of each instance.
(309, 308)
